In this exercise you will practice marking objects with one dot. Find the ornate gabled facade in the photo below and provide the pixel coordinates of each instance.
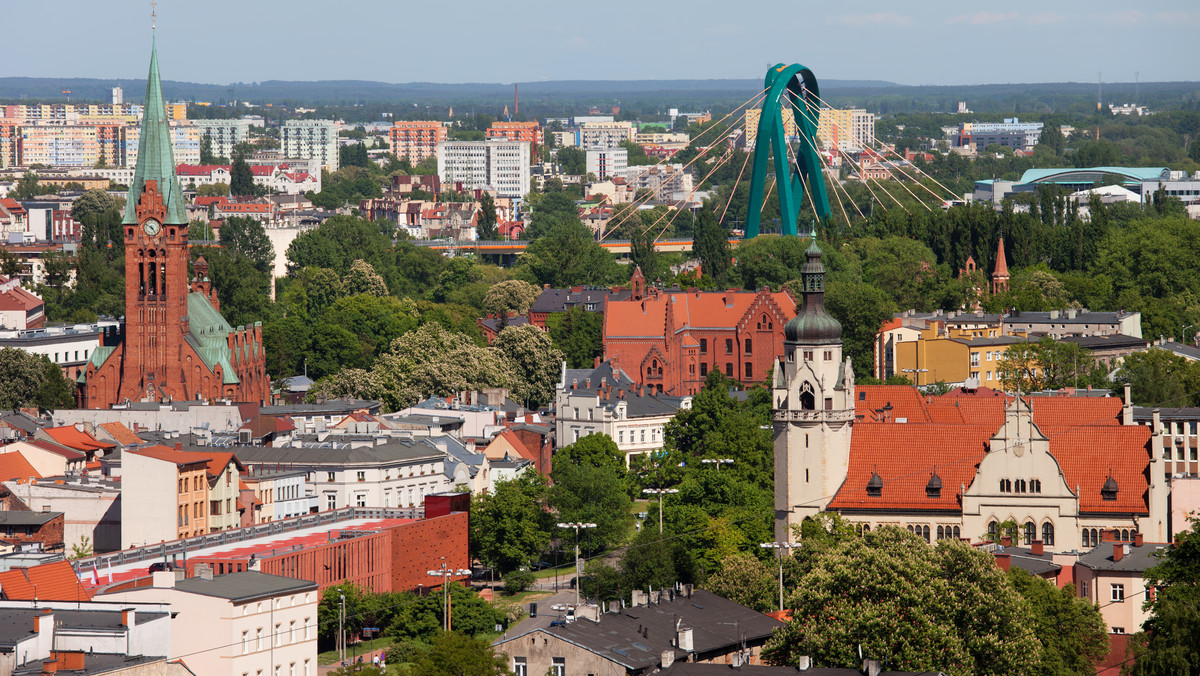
(1062, 468)
(176, 346)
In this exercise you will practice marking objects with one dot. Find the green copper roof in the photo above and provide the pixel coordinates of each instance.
(99, 356)
(208, 334)
(156, 161)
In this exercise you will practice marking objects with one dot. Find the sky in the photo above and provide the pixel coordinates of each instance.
(934, 42)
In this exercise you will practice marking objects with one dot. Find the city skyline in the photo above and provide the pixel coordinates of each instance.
(300, 41)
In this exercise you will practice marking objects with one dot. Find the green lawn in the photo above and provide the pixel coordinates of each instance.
(564, 571)
(330, 656)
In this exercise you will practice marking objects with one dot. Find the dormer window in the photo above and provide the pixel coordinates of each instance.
(1109, 490)
(933, 489)
(875, 486)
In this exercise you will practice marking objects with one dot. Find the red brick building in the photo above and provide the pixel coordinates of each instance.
(670, 340)
(177, 346)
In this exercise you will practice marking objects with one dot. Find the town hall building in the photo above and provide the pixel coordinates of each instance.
(1056, 469)
(176, 344)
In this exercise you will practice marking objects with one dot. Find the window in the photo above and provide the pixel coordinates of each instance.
(258, 639)
(703, 346)
(360, 500)
(330, 501)
(993, 527)
(362, 475)
(558, 666)
(308, 628)
(729, 369)
(1083, 588)
(330, 476)
(749, 347)
(1118, 593)
(1048, 534)
(728, 346)
(703, 369)
(1118, 630)
(808, 355)
(246, 642)
(828, 355)
(520, 668)
(1030, 532)
(278, 636)
(749, 372)
(621, 436)
(292, 632)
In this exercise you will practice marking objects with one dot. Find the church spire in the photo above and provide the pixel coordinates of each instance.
(812, 325)
(1000, 273)
(156, 160)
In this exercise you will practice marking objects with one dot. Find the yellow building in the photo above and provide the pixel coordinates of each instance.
(954, 355)
(849, 129)
(752, 117)
(176, 111)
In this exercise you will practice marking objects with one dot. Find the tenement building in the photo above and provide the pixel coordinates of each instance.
(971, 463)
(176, 344)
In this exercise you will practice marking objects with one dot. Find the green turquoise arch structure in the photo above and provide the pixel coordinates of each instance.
(772, 137)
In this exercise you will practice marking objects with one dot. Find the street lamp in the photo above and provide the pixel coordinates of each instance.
(661, 493)
(916, 376)
(718, 462)
(779, 547)
(447, 573)
(578, 573)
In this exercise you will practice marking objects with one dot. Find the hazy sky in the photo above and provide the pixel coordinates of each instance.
(925, 42)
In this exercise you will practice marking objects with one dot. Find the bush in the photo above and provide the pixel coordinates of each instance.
(518, 581)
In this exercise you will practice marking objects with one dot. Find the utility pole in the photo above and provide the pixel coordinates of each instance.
(578, 569)
(779, 547)
(661, 493)
(341, 637)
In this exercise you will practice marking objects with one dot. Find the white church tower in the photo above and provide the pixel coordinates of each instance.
(813, 411)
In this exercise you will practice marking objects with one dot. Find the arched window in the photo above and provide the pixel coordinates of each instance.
(1021, 485)
(867, 528)
(808, 400)
(941, 533)
(1124, 534)
(956, 534)
(1030, 532)
(910, 528)
(1048, 534)
(1036, 485)
(992, 528)
(1002, 485)
(925, 533)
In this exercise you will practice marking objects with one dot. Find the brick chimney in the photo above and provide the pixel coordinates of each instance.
(1138, 539)
(1108, 535)
(1006, 541)
(1004, 561)
(1118, 551)
(1036, 547)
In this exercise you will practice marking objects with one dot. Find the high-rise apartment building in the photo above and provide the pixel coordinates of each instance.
(312, 140)
(605, 162)
(604, 134)
(529, 132)
(415, 140)
(845, 129)
(225, 134)
(500, 165)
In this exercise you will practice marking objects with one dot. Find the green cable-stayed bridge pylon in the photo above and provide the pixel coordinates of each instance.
(772, 136)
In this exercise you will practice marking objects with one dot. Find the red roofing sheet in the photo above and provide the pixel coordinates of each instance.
(13, 465)
(47, 582)
(78, 439)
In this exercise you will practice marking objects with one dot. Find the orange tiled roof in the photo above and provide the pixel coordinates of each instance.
(696, 310)
(69, 436)
(47, 582)
(57, 449)
(1087, 454)
(13, 465)
(171, 455)
(122, 434)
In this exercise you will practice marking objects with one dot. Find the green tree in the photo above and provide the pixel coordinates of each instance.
(247, 236)
(362, 610)
(485, 223)
(82, 549)
(206, 152)
(241, 178)
(453, 654)
(1167, 642)
(362, 279)
(572, 160)
(711, 246)
(55, 390)
(433, 361)
(27, 187)
(747, 580)
(862, 309)
(586, 493)
(510, 527)
(642, 254)
(1158, 378)
(1071, 630)
(512, 295)
(947, 608)
(10, 263)
(649, 561)
(21, 376)
(94, 203)
(578, 333)
(535, 361)
(568, 255)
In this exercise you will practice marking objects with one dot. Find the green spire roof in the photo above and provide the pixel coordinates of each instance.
(156, 161)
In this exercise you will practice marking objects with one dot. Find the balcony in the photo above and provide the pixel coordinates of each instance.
(814, 416)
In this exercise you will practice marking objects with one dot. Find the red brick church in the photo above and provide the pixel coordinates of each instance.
(176, 346)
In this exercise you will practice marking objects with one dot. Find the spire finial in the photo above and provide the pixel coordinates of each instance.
(153, 14)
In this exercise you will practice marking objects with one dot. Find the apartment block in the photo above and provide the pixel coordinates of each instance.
(225, 134)
(164, 495)
(415, 140)
(496, 164)
(845, 129)
(311, 140)
(529, 132)
(605, 162)
(604, 134)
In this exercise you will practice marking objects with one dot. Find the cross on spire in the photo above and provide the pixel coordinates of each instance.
(153, 14)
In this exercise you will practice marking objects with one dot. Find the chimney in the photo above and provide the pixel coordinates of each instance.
(203, 571)
(1036, 548)
(614, 606)
(1137, 539)
(590, 611)
(1108, 535)
(43, 622)
(1006, 541)
(668, 658)
(179, 445)
(128, 617)
(871, 667)
(1118, 551)
(1004, 561)
(683, 639)
(637, 598)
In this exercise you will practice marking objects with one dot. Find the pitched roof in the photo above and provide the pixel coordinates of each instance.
(47, 582)
(121, 434)
(57, 449)
(694, 310)
(156, 160)
(13, 465)
(80, 440)
(170, 455)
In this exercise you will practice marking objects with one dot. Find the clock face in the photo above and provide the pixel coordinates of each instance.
(151, 227)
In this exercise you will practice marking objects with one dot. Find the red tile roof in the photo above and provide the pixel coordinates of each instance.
(77, 439)
(47, 582)
(14, 207)
(57, 449)
(171, 455)
(199, 169)
(13, 465)
(710, 309)
(122, 434)
(13, 296)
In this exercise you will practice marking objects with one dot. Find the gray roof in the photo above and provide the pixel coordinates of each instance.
(296, 384)
(1025, 559)
(715, 669)
(1136, 560)
(98, 663)
(15, 518)
(322, 408)
(616, 637)
(1114, 341)
(1181, 349)
(1146, 414)
(1081, 317)
(393, 450)
(21, 421)
(494, 323)
(619, 387)
(561, 300)
(244, 586)
(16, 624)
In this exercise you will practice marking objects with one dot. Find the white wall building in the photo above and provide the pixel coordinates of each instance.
(604, 134)
(312, 140)
(498, 164)
(664, 180)
(89, 507)
(225, 134)
(70, 347)
(605, 162)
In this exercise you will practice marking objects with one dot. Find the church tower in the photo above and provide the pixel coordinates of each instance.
(813, 406)
(1000, 273)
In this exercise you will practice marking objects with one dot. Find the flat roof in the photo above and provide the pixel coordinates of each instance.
(243, 586)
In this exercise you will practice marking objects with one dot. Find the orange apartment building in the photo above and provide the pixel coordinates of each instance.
(518, 131)
(415, 140)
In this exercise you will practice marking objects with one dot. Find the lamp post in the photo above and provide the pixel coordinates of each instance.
(577, 526)
(447, 573)
(779, 547)
(718, 462)
(661, 493)
(916, 375)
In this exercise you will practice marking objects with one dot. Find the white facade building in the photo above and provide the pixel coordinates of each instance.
(312, 140)
(605, 162)
(498, 164)
(604, 134)
(664, 180)
(225, 134)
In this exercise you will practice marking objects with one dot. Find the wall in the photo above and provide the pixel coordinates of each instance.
(540, 648)
(419, 547)
(148, 500)
(219, 418)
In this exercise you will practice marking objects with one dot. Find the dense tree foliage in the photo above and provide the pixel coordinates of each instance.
(1167, 643)
(579, 334)
(32, 380)
(510, 527)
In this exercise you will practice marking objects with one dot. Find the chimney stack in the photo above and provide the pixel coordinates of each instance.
(1118, 551)
(1004, 561)
(1036, 547)
(1137, 539)
(1006, 541)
